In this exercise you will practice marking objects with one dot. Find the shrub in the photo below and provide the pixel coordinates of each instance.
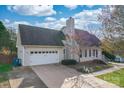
(85, 69)
(108, 55)
(69, 62)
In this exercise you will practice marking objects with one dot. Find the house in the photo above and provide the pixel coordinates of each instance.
(119, 55)
(37, 46)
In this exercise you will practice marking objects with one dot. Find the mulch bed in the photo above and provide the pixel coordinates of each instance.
(94, 65)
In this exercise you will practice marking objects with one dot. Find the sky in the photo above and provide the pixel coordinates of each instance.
(52, 16)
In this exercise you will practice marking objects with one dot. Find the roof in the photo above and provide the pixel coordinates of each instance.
(31, 35)
(85, 38)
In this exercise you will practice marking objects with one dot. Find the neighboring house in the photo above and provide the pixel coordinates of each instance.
(38, 46)
(119, 55)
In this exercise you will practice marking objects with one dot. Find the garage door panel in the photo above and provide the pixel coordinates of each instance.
(44, 58)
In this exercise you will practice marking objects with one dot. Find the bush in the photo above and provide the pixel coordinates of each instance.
(108, 55)
(85, 69)
(69, 62)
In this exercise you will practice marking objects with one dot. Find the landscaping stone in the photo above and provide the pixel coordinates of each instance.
(88, 81)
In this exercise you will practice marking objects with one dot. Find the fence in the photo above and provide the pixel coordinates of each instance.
(7, 59)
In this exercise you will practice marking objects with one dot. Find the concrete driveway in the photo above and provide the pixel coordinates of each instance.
(24, 77)
(53, 75)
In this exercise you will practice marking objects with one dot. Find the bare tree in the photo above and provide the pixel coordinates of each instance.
(112, 20)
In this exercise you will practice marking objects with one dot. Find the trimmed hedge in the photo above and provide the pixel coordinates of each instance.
(69, 62)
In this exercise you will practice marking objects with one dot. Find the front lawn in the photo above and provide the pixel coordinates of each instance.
(4, 69)
(3, 77)
(116, 77)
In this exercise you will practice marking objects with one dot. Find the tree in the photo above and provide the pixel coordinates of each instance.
(112, 19)
(4, 36)
(7, 38)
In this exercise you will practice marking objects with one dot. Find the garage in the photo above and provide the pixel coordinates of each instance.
(38, 46)
(44, 57)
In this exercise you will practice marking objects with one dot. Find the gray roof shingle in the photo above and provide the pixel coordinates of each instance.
(31, 35)
(84, 38)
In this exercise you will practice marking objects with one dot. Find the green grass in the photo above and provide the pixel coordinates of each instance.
(97, 68)
(3, 78)
(5, 68)
(116, 77)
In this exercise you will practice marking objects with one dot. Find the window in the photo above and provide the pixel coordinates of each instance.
(85, 53)
(94, 52)
(52, 51)
(64, 51)
(46, 51)
(31, 52)
(80, 53)
(39, 52)
(35, 52)
(56, 52)
(49, 51)
(43, 52)
(90, 53)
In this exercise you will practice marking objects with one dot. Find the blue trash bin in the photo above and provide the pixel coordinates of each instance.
(16, 62)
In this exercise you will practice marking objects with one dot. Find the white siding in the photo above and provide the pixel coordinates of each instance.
(88, 58)
(20, 48)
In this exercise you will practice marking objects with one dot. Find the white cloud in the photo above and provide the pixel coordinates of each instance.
(83, 20)
(56, 24)
(71, 6)
(35, 10)
(14, 24)
(87, 17)
(7, 20)
(50, 19)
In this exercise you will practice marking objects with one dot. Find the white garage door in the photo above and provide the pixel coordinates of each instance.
(43, 57)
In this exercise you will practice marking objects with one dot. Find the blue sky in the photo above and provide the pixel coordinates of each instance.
(51, 16)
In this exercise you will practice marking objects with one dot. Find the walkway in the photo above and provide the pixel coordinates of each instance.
(117, 66)
(90, 81)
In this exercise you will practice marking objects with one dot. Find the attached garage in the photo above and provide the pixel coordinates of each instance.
(39, 45)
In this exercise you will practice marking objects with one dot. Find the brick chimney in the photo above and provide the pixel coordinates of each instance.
(70, 26)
